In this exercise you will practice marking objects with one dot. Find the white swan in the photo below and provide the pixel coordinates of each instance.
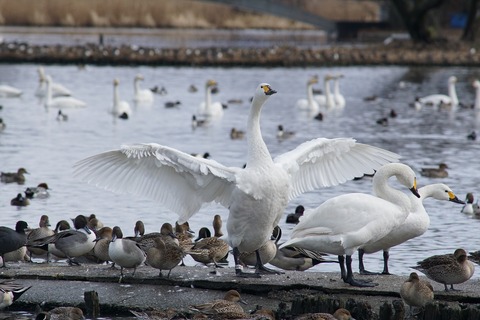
(345, 223)
(58, 90)
(209, 108)
(61, 102)
(255, 195)
(121, 109)
(7, 91)
(141, 95)
(442, 100)
(476, 85)
(327, 100)
(415, 225)
(338, 97)
(309, 104)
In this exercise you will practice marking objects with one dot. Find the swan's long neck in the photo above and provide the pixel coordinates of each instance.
(257, 149)
(49, 93)
(115, 97)
(336, 87)
(477, 98)
(137, 86)
(452, 93)
(208, 98)
(328, 95)
(310, 94)
(383, 190)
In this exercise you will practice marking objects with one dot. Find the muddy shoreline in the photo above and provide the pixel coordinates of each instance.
(396, 53)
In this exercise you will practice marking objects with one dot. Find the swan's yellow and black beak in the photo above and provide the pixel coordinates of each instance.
(452, 197)
(414, 188)
(268, 90)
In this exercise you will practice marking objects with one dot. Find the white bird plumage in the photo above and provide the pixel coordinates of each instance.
(345, 223)
(415, 224)
(121, 108)
(309, 104)
(256, 195)
(142, 96)
(326, 100)
(476, 85)
(7, 91)
(337, 96)
(58, 89)
(209, 108)
(441, 100)
(61, 102)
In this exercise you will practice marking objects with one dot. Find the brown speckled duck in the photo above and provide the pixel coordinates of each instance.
(440, 172)
(226, 308)
(447, 269)
(164, 256)
(10, 177)
(416, 292)
(340, 314)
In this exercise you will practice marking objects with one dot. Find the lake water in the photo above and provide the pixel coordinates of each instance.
(33, 139)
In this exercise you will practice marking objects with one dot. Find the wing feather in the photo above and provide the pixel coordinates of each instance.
(181, 182)
(323, 162)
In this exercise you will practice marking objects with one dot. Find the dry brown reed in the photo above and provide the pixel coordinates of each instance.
(137, 13)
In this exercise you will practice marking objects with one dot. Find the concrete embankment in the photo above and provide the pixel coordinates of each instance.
(403, 53)
(289, 294)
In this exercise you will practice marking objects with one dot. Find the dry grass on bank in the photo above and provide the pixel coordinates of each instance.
(137, 13)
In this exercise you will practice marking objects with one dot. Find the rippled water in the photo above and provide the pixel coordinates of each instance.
(47, 149)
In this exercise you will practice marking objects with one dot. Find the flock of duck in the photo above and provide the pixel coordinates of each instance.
(256, 197)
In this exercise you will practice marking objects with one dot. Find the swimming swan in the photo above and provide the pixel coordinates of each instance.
(309, 104)
(327, 100)
(58, 90)
(209, 108)
(255, 195)
(61, 102)
(415, 225)
(345, 223)
(141, 95)
(121, 109)
(437, 100)
(7, 91)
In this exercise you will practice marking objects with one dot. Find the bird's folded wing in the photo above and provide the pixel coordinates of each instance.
(176, 179)
(323, 162)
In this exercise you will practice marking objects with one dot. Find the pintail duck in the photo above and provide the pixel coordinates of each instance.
(19, 201)
(40, 191)
(293, 217)
(164, 256)
(282, 134)
(125, 252)
(447, 269)
(11, 240)
(184, 235)
(72, 243)
(10, 177)
(147, 240)
(339, 314)
(266, 253)
(93, 222)
(226, 308)
(139, 229)
(61, 226)
(42, 231)
(416, 292)
(70, 313)
(439, 172)
(470, 207)
(9, 292)
(102, 243)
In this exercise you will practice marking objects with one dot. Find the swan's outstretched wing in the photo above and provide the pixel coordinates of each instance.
(328, 162)
(176, 179)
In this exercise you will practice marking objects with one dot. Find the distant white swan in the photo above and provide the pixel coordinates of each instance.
(476, 85)
(141, 95)
(343, 224)
(442, 100)
(255, 195)
(415, 225)
(326, 100)
(61, 102)
(209, 108)
(309, 104)
(58, 90)
(121, 109)
(7, 91)
(338, 97)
